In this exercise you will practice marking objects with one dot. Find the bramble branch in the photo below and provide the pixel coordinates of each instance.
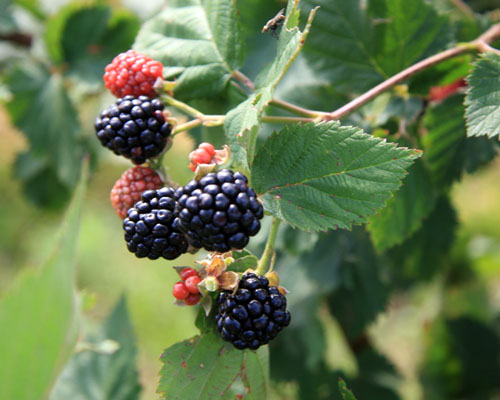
(481, 44)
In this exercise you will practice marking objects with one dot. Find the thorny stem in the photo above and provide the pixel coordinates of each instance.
(269, 250)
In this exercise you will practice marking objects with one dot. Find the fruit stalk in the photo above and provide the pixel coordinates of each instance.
(269, 250)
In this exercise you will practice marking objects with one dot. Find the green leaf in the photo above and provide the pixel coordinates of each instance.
(33, 6)
(482, 101)
(323, 176)
(354, 48)
(303, 342)
(199, 41)
(425, 254)
(405, 211)
(39, 316)
(447, 149)
(87, 37)
(363, 293)
(242, 123)
(41, 109)
(344, 391)
(90, 374)
(40, 183)
(342, 44)
(256, 373)
(7, 22)
(203, 367)
(453, 366)
(243, 263)
(409, 31)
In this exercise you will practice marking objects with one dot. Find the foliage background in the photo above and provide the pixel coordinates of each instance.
(431, 337)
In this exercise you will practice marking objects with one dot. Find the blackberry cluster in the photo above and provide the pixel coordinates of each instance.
(219, 212)
(253, 315)
(151, 226)
(134, 127)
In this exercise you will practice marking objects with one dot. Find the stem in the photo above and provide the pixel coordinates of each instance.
(394, 80)
(244, 80)
(285, 120)
(486, 48)
(296, 109)
(481, 44)
(463, 8)
(185, 127)
(269, 250)
(207, 120)
(18, 38)
(188, 110)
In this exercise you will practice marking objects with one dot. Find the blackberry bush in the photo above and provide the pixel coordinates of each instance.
(353, 216)
(219, 212)
(151, 227)
(253, 315)
(134, 127)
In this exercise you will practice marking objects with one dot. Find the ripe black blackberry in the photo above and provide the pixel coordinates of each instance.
(219, 212)
(151, 226)
(253, 315)
(134, 127)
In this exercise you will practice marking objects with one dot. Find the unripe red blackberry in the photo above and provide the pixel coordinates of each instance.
(151, 226)
(128, 189)
(134, 128)
(219, 212)
(132, 73)
(202, 155)
(253, 315)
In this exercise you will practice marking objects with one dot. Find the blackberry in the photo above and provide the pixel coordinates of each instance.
(128, 189)
(134, 127)
(151, 226)
(219, 212)
(132, 73)
(253, 315)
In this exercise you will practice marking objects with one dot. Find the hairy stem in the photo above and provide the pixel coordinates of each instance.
(269, 250)
(284, 120)
(296, 109)
(217, 120)
(243, 79)
(206, 120)
(188, 110)
(463, 8)
(480, 44)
